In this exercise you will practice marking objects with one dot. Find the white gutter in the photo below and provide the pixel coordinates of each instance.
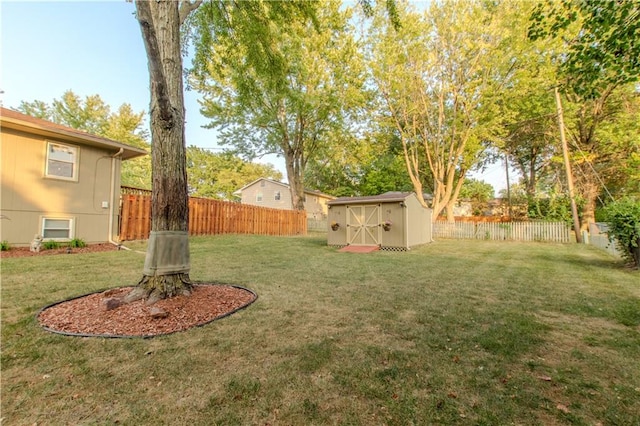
(111, 199)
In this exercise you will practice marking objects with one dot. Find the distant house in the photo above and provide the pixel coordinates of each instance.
(58, 182)
(270, 193)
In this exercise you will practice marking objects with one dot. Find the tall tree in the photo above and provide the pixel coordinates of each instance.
(531, 131)
(597, 70)
(439, 77)
(91, 114)
(167, 264)
(604, 136)
(291, 100)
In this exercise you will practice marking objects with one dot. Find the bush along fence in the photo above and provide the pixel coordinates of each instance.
(515, 231)
(210, 217)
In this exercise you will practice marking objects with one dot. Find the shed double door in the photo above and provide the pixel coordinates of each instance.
(363, 225)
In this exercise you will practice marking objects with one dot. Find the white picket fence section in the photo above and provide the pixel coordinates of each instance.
(598, 237)
(317, 225)
(558, 232)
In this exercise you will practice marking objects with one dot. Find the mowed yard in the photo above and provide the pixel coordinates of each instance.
(455, 332)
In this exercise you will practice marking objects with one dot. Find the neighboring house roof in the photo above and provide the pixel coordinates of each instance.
(16, 120)
(258, 180)
(284, 185)
(387, 197)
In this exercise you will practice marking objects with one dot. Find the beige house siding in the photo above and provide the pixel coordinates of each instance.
(28, 196)
(316, 205)
(264, 193)
(277, 195)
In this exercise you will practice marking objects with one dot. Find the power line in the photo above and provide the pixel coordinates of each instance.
(210, 148)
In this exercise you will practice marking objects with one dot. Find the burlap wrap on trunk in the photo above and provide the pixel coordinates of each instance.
(167, 253)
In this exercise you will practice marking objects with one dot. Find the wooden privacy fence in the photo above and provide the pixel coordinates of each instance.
(209, 217)
(515, 231)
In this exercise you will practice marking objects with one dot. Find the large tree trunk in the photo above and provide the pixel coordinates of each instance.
(294, 177)
(590, 190)
(167, 264)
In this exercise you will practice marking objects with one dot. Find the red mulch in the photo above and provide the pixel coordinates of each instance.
(87, 315)
(25, 252)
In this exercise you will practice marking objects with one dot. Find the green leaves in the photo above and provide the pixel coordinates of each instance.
(219, 175)
(623, 218)
(278, 77)
(440, 79)
(603, 41)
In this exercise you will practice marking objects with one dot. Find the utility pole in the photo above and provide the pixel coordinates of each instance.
(506, 166)
(567, 166)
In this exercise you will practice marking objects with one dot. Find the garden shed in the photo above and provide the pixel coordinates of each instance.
(391, 221)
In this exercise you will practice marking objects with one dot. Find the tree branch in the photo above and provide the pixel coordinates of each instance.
(158, 81)
(186, 7)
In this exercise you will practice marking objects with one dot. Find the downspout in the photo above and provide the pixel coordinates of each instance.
(111, 198)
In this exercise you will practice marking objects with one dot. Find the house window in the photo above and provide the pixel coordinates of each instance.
(262, 183)
(62, 161)
(259, 197)
(57, 229)
(277, 196)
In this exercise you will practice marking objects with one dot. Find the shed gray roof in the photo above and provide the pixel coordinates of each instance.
(387, 197)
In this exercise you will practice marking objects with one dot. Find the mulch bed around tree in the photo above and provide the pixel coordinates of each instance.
(88, 315)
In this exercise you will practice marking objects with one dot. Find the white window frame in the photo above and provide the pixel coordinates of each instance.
(74, 162)
(259, 197)
(71, 227)
(277, 196)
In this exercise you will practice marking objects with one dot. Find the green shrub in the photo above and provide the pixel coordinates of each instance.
(555, 208)
(50, 245)
(623, 218)
(4, 246)
(77, 243)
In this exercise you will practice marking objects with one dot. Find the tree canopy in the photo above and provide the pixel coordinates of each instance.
(291, 98)
(603, 41)
(439, 77)
(447, 89)
(219, 175)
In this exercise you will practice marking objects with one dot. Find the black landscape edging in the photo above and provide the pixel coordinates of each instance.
(144, 336)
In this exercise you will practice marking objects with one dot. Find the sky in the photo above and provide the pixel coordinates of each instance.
(95, 47)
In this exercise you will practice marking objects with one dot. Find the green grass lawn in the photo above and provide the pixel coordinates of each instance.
(455, 332)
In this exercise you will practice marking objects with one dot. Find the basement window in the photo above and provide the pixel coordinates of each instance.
(62, 161)
(57, 229)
